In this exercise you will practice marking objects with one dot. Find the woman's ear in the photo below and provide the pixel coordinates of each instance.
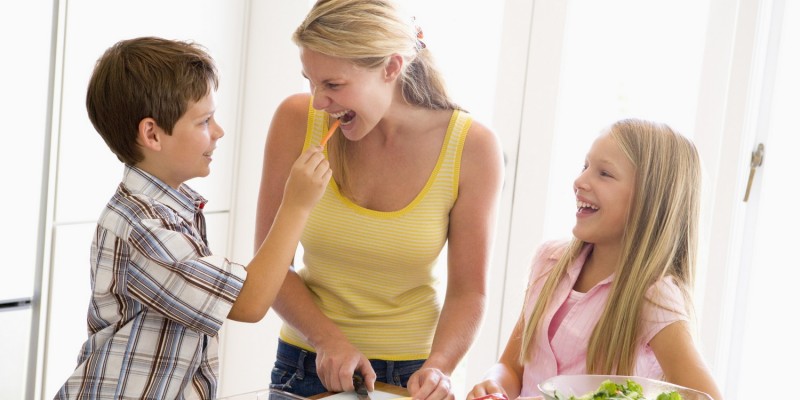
(148, 134)
(394, 66)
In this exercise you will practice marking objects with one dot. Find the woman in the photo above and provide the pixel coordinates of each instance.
(411, 172)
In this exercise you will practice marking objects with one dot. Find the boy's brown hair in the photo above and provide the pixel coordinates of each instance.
(145, 77)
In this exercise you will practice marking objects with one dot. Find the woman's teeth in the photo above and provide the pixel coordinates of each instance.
(583, 204)
(344, 117)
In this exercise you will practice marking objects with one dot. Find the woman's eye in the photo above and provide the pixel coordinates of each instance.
(332, 85)
(604, 173)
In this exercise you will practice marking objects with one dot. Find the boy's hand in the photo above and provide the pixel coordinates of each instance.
(308, 178)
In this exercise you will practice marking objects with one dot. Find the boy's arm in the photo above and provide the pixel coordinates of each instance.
(294, 302)
(265, 273)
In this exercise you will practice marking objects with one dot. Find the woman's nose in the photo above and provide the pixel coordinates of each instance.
(320, 100)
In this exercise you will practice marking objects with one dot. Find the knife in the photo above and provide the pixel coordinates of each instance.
(361, 388)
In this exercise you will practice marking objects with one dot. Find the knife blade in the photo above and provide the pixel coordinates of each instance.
(361, 388)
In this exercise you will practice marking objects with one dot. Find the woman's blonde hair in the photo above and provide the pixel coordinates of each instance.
(367, 33)
(660, 239)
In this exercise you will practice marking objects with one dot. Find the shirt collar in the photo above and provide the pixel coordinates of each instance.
(575, 269)
(185, 201)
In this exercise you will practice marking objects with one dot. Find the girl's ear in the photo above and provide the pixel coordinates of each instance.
(393, 67)
(149, 134)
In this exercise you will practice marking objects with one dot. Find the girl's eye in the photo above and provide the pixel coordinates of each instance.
(332, 85)
(604, 173)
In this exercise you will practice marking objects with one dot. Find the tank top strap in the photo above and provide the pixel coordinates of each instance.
(450, 161)
(316, 127)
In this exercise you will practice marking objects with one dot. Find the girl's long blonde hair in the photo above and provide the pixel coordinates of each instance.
(367, 33)
(660, 239)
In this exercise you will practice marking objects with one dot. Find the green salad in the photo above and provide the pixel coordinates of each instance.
(629, 390)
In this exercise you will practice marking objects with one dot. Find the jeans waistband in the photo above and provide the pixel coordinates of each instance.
(306, 362)
(296, 356)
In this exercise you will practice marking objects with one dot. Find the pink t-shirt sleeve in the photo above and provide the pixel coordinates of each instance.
(663, 306)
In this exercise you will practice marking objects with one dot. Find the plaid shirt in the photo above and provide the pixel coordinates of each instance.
(159, 297)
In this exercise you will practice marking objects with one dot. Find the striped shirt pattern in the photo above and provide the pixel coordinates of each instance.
(371, 272)
(159, 297)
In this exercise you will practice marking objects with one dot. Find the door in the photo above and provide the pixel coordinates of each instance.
(716, 71)
(763, 349)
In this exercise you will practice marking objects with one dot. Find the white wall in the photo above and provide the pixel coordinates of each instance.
(250, 39)
(272, 71)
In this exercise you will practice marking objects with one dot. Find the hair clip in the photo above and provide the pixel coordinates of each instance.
(420, 44)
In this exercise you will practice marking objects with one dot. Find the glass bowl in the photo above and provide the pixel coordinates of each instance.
(579, 385)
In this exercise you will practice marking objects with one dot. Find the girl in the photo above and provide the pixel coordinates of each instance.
(616, 298)
(411, 172)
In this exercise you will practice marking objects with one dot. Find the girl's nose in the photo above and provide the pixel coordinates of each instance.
(579, 184)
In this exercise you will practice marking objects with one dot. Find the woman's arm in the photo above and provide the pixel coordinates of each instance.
(681, 362)
(336, 357)
(470, 237)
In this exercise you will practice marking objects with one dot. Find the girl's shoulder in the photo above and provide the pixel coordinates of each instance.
(667, 296)
(552, 249)
(547, 255)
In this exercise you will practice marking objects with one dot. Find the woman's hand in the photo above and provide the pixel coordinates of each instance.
(430, 384)
(338, 361)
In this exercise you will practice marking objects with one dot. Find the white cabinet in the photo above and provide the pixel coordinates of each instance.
(25, 42)
(86, 168)
(69, 301)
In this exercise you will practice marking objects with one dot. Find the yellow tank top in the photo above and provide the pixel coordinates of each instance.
(371, 272)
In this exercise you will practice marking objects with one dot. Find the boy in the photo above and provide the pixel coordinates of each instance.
(159, 295)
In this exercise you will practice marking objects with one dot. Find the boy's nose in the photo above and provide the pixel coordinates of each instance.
(218, 131)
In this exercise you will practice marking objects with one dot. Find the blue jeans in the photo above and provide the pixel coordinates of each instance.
(295, 371)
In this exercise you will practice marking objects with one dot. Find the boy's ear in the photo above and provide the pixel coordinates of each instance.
(149, 134)
(393, 67)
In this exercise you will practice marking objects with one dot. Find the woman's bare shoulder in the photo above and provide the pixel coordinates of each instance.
(294, 106)
(482, 148)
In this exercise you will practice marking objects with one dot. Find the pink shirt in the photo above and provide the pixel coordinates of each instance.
(562, 349)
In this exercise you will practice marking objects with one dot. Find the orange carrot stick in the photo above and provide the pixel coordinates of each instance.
(330, 133)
